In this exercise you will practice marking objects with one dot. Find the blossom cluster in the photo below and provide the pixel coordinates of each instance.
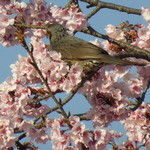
(58, 74)
(139, 34)
(109, 91)
(16, 93)
(138, 125)
(14, 98)
(36, 13)
(79, 136)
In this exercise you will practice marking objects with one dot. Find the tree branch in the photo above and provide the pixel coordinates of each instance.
(112, 6)
(72, 2)
(134, 50)
(82, 116)
(20, 146)
(141, 99)
(95, 10)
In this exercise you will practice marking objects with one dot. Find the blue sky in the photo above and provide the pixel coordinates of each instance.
(9, 55)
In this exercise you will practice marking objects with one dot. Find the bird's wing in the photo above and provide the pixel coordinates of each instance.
(74, 48)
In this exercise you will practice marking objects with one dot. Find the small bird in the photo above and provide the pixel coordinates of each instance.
(75, 50)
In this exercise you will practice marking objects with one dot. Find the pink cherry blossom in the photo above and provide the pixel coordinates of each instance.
(73, 120)
(146, 13)
(147, 144)
(137, 124)
(144, 72)
(39, 135)
(7, 33)
(143, 38)
(128, 145)
(28, 74)
(74, 19)
(109, 91)
(97, 42)
(7, 139)
(79, 136)
(38, 13)
(113, 32)
(59, 140)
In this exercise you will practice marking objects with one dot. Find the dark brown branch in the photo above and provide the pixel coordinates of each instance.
(75, 2)
(73, 92)
(112, 6)
(20, 146)
(134, 50)
(141, 99)
(22, 136)
(40, 99)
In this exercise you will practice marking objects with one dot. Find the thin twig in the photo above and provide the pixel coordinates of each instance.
(82, 116)
(93, 12)
(20, 146)
(141, 99)
(40, 99)
(136, 55)
(22, 136)
(29, 26)
(72, 2)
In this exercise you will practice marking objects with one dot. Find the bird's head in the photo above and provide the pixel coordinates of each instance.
(55, 32)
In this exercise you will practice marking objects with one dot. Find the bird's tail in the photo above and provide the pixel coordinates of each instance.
(92, 65)
(105, 59)
(113, 60)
